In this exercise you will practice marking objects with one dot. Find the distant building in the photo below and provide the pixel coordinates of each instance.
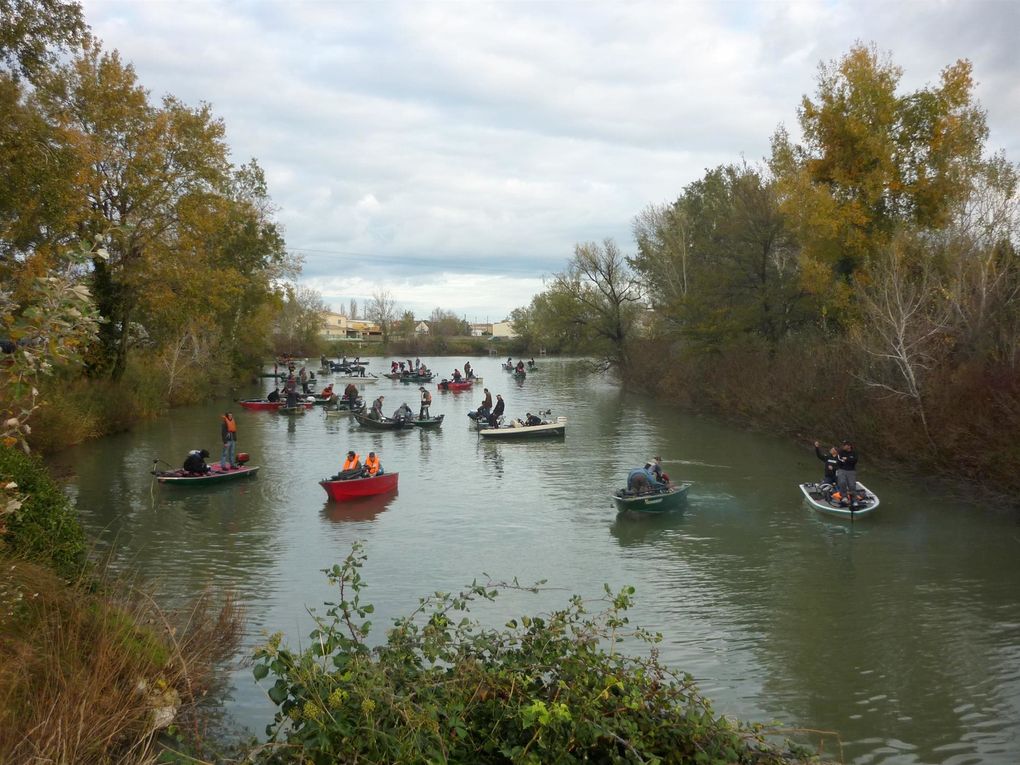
(481, 330)
(503, 329)
(422, 328)
(336, 326)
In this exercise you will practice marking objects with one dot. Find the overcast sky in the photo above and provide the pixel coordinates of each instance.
(454, 153)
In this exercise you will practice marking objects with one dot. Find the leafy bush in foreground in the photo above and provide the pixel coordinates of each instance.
(41, 525)
(443, 688)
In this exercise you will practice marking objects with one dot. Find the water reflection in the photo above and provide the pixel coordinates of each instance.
(363, 509)
(631, 529)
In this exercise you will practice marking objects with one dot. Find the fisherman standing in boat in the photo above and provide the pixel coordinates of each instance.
(846, 470)
(228, 434)
(426, 401)
(497, 412)
(831, 460)
(469, 373)
(377, 409)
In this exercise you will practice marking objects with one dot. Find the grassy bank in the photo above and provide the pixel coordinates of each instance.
(811, 387)
(91, 669)
(80, 409)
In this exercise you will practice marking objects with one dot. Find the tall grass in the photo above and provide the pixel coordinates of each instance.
(80, 409)
(86, 671)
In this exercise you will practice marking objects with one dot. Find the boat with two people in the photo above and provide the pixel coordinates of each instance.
(385, 423)
(828, 500)
(211, 474)
(355, 480)
(454, 386)
(649, 490)
(532, 427)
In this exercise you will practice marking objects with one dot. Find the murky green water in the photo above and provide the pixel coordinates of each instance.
(901, 632)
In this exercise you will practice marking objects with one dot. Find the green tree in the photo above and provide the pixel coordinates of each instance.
(720, 262)
(383, 311)
(300, 322)
(142, 164)
(33, 33)
(874, 160)
(594, 304)
(444, 323)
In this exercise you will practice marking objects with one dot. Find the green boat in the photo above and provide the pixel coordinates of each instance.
(669, 498)
(216, 474)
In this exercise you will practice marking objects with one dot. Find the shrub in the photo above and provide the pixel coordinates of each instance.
(44, 528)
(442, 688)
(90, 672)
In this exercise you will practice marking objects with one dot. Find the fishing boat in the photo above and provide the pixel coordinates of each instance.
(385, 424)
(342, 410)
(353, 488)
(518, 430)
(819, 496)
(216, 474)
(415, 378)
(454, 385)
(659, 501)
(367, 379)
(520, 375)
(260, 404)
(428, 422)
(301, 408)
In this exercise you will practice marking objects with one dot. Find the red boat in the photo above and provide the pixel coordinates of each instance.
(454, 386)
(340, 491)
(264, 405)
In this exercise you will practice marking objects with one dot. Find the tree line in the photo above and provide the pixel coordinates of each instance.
(862, 279)
(185, 265)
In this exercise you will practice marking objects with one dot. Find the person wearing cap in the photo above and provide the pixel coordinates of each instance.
(377, 409)
(426, 401)
(352, 466)
(195, 462)
(532, 419)
(497, 412)
(846, 469)
(655, 465)
(469, 373)
(372, 467)
(831, 460)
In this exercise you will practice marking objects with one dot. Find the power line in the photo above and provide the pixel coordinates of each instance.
(507, 265)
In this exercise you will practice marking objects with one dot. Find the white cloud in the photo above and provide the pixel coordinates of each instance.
(409, 139)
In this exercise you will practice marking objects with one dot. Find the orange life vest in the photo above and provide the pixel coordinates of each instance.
(351, 462)
(231, 425)
(372, 463)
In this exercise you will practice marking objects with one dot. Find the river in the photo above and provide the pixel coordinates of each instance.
(901, 631)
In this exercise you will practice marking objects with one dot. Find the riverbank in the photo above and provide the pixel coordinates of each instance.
(80, 409)
(809, 388)
(91, 668)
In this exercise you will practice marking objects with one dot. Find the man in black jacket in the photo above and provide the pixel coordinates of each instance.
(831, 461)
(195, 462)
(497, 412)
(846, 469)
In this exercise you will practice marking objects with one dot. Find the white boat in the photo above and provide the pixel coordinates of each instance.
(817, 495)
(519, 431)
(354, 379)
